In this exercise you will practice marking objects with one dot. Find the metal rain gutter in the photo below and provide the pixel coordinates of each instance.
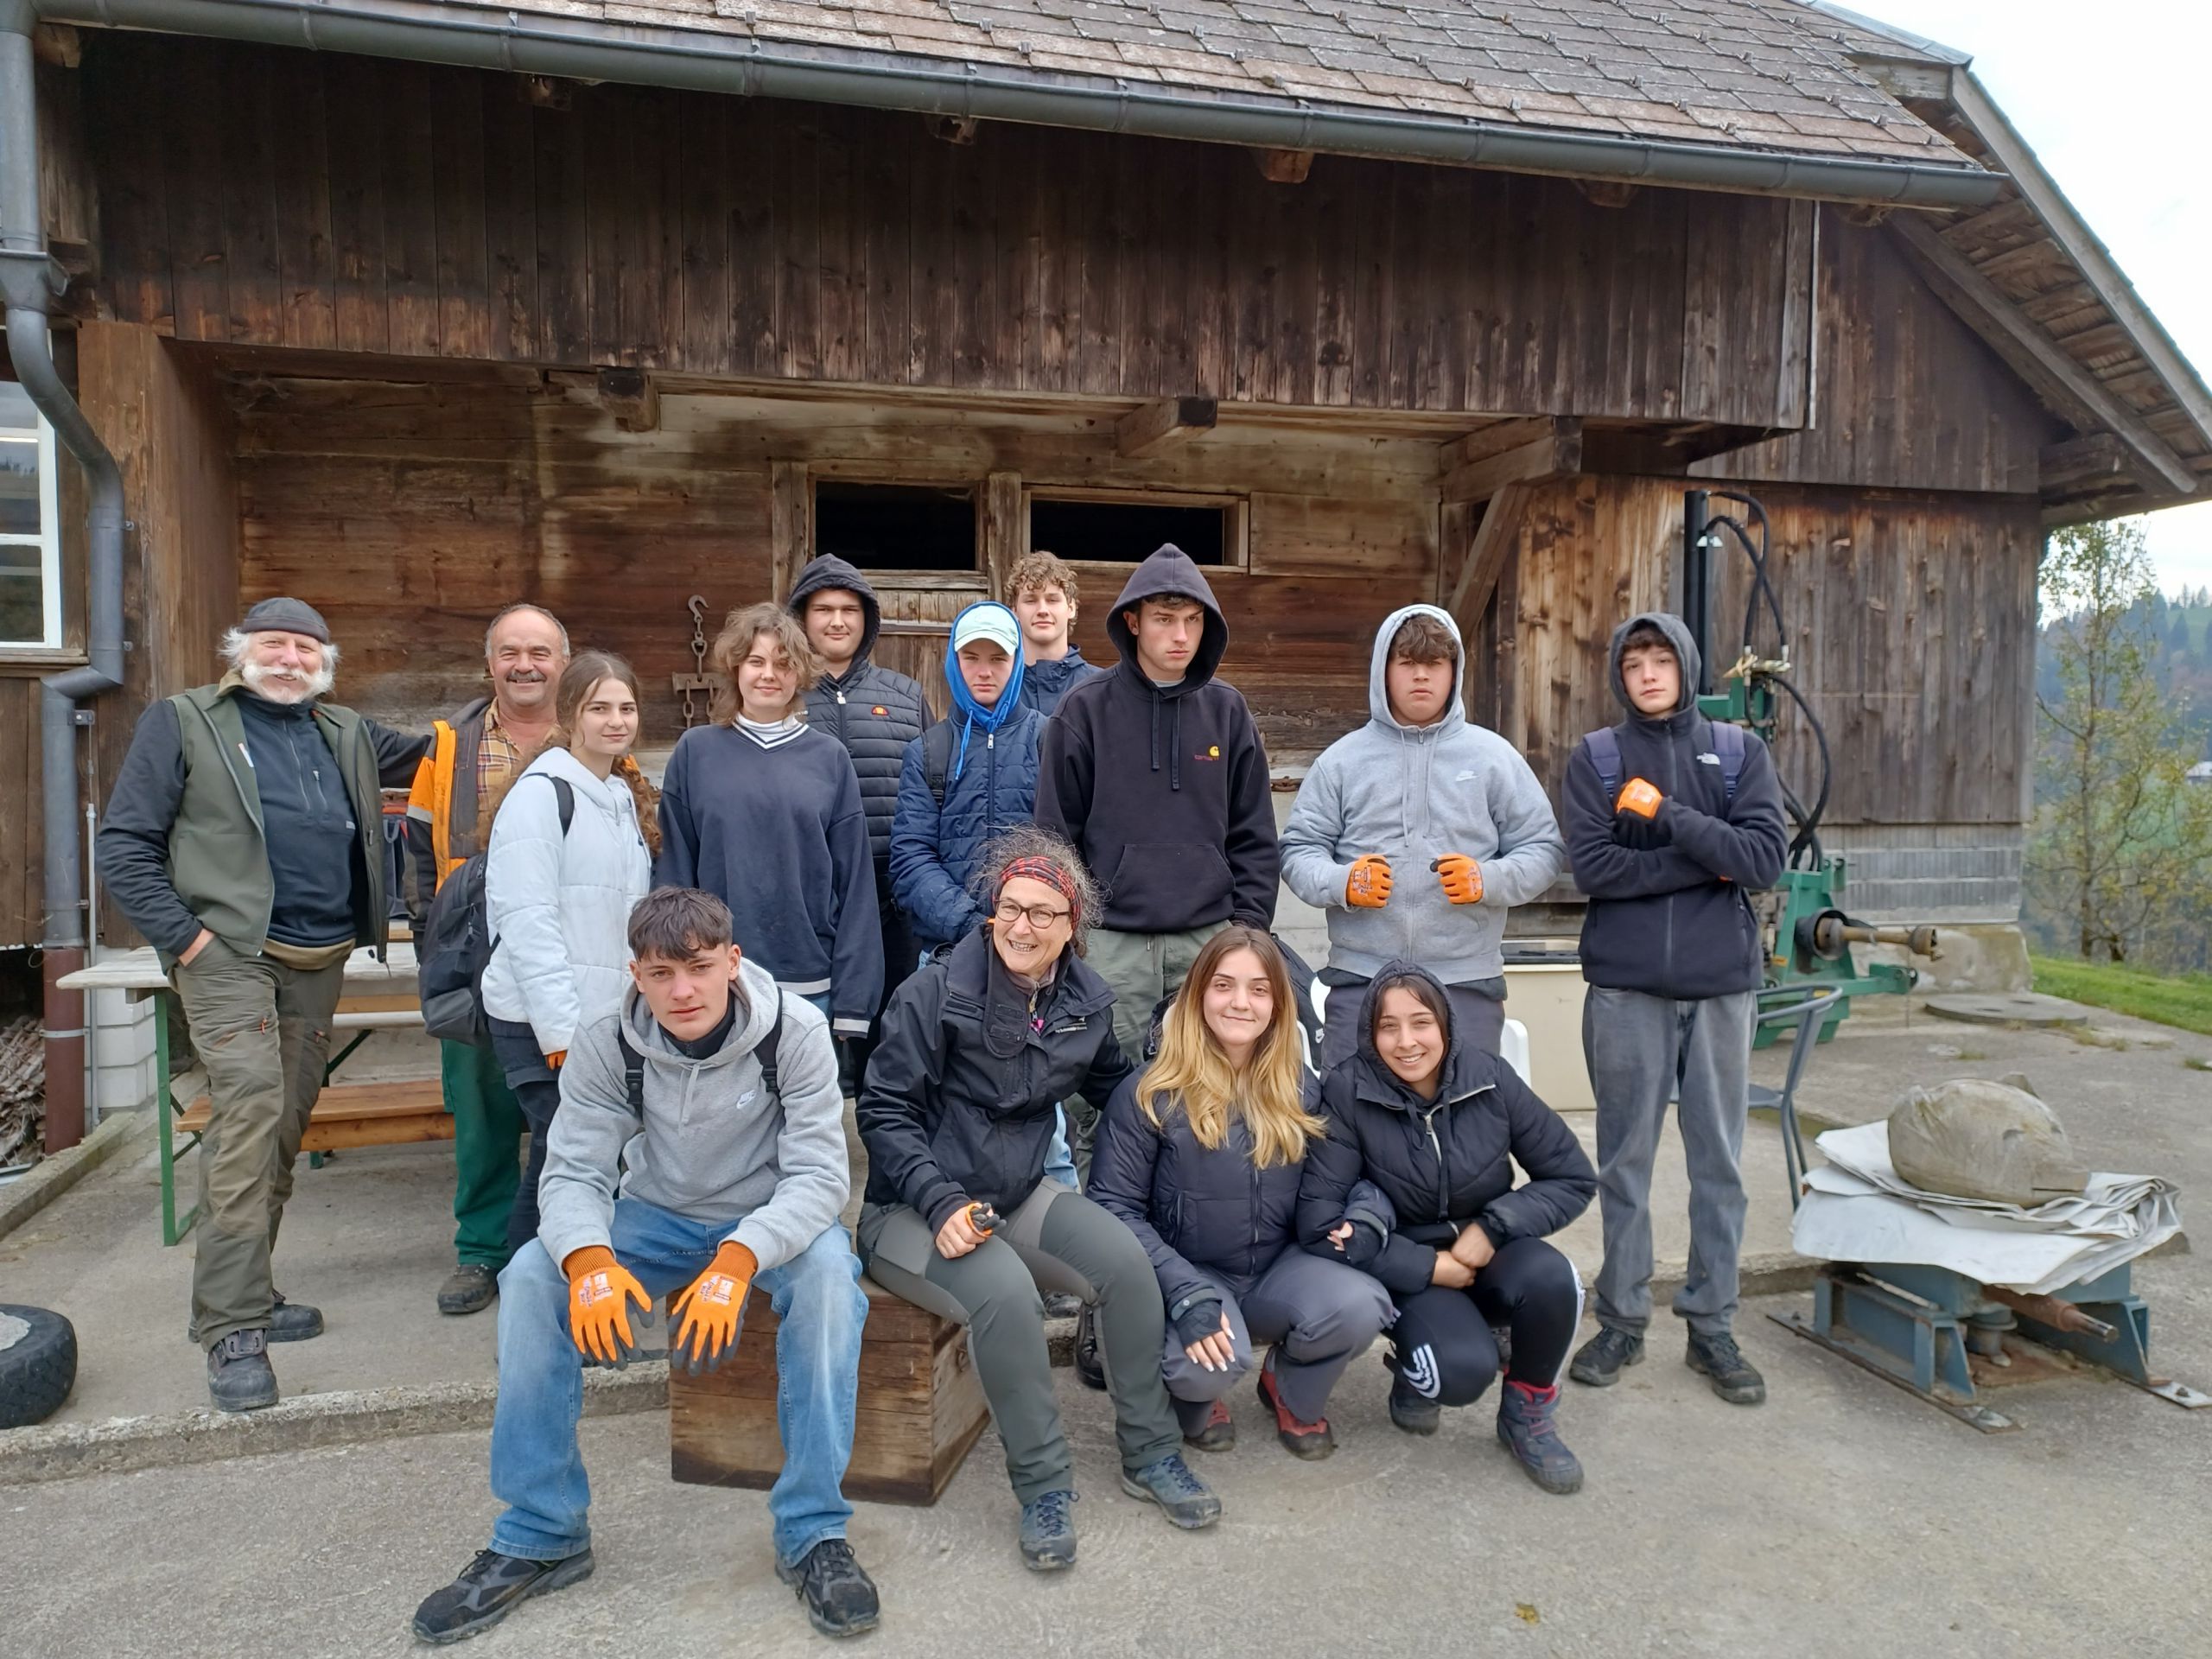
(29, 281)
(583, 49)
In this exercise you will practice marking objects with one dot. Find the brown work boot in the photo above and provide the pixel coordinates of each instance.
(469, 1288)
(1312, 1441)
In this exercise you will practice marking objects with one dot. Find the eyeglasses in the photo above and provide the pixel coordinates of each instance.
(1041, 916)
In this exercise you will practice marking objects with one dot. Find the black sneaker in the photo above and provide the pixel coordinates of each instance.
(469, 1288)
(1414, 1412)
(1048, 1532)
(1088, 1364)
(1063, 1305)
(287, 1322)
(840, 1598)
(1733, 1376)
(1599, 1361)
(489, 1588)
(240, 1377)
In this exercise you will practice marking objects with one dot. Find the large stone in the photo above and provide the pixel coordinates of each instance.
(2009, 1008)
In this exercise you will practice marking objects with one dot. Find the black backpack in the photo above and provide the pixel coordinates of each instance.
(456, 945)
(937, 759)
(633, 1064)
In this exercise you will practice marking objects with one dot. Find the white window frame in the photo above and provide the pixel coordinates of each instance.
(47, 541)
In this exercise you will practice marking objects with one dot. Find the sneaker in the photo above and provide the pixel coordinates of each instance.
(1312, 1441)
(1048, 1532)
(840, 1598)
(1088, 1364)
(239, 1377)
(1598, 1361)
(488, 1589)
(287, 1322)
(1528, 1423)
(469, 1288)
(1219, 1434)
(1414, 1412)
(1733, 1376)
(1187, 1501)
(1063, 1305)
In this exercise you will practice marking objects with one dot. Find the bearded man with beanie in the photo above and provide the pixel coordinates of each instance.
(245, 839)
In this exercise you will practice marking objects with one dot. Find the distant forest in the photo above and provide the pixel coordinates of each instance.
(2181, 628)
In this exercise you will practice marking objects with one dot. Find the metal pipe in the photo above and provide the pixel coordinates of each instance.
(29, 280)
(585, 49)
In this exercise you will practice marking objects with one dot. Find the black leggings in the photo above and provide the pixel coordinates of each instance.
(1442, 1341)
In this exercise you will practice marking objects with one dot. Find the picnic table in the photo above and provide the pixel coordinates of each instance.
(377, 996)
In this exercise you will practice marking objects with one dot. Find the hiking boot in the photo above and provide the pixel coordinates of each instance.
(287, 1322)
(1528, 1423)
(1733, 1376)
(1312, 1441)
(840, 1598)
(1599, 1362)
(489, 1588)
(239, 1377)
(469, 1288)
(1414, 1412)
(1048, 1532)
(1088, 1364)
(1187, 1501)
(1063, 1305)
(1219, 1432)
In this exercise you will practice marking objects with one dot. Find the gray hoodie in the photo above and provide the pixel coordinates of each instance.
(1412, 794)
(714, 1145)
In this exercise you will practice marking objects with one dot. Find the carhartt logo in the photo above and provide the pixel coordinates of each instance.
(1213, 752)
(1421, 1373)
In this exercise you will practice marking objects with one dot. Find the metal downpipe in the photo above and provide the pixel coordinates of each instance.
(29, 281)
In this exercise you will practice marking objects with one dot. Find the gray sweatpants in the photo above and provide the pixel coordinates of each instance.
(1320, 1315)
(1058, 1240)
(1641, 1050)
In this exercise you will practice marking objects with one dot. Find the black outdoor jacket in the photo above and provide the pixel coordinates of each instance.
(874, 712)
(1441, 1163)
(959, 1102)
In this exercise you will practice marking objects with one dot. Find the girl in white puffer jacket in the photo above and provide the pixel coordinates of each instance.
(557, 900)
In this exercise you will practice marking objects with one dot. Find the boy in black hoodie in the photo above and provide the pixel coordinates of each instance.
(1671, 821)
(1155, 772)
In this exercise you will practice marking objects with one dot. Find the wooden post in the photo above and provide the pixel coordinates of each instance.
(791, 524)
(1006, 529)
(1143, 430)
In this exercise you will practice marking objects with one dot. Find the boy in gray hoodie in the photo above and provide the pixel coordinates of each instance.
(1416, 834)
(699, 1151)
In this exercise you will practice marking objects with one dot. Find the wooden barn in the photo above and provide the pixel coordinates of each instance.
(412, 308)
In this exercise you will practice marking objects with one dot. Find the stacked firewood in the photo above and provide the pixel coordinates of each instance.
(22, 1089)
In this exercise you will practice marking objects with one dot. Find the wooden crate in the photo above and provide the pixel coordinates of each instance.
(921, 1406)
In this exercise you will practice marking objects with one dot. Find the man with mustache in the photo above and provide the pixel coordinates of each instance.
(473, 753)
(245, 840)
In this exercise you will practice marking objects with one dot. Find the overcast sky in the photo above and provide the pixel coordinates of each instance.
(2116, 112)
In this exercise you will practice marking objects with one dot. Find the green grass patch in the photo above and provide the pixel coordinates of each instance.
(2185, 1000)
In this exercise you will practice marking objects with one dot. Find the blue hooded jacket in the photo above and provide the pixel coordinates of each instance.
(990, 786)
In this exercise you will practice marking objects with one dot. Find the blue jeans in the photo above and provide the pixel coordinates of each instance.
(537, 1470)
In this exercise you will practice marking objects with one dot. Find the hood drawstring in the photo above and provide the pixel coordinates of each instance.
(1175, 747)
(960, 761)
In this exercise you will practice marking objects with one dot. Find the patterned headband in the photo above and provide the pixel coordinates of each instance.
(1044, 870)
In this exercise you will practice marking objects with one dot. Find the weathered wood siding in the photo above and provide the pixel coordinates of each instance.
(1911, 621)
(320, 200)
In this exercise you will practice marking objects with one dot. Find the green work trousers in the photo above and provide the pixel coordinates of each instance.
(1142, 968)
(262, 1031)
(487, 1133)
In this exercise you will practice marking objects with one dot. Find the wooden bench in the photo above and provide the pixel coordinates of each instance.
(921, 1406)
(349, 1114)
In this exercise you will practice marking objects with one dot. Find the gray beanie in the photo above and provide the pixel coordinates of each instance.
(286, 616)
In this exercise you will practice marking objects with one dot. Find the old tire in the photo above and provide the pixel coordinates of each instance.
(38, 1364)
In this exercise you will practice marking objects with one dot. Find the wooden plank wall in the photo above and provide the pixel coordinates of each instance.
(1907, 396)
(321, 200)
(1910, 620)
(23, 845)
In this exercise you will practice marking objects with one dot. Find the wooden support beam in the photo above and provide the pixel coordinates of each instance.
(1467, 592)
(1005, 528)
(2097, 461)
(791, 524)
(1141, 431)
(2065, 384)
(1283, 166)
(1492, 439)
(631, 396)
(1559, 449)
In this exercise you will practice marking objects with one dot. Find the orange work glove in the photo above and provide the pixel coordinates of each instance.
(1462, 876)
(1368, 885)
(599, 1289)
(1640, 798)
(711, 1308)
(557, 1058)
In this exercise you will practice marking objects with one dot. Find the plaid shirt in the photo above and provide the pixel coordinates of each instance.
(498, 758)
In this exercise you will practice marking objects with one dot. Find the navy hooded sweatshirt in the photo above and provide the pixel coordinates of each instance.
(1164, 789)
(1044, 683)
(1670, 912)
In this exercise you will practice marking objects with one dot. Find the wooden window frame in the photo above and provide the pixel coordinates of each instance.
(50, 644)
(875, 475)
(1236, 517)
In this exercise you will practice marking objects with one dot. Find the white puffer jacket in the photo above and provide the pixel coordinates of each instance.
(558, 906)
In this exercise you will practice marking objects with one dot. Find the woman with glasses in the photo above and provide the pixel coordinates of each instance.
(958, 1110)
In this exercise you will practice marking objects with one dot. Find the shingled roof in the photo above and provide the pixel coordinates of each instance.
(1748, 74)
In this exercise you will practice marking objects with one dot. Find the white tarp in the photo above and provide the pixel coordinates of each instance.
(1859, 1208)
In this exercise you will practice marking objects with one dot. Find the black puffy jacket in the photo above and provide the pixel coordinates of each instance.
(874, 712)
(960, 1099)
(1441, 1163)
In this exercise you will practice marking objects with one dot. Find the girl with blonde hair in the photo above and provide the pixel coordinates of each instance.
(1201, 1155)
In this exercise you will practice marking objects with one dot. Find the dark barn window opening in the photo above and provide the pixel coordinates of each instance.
(896, 526)
(1126, 530)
